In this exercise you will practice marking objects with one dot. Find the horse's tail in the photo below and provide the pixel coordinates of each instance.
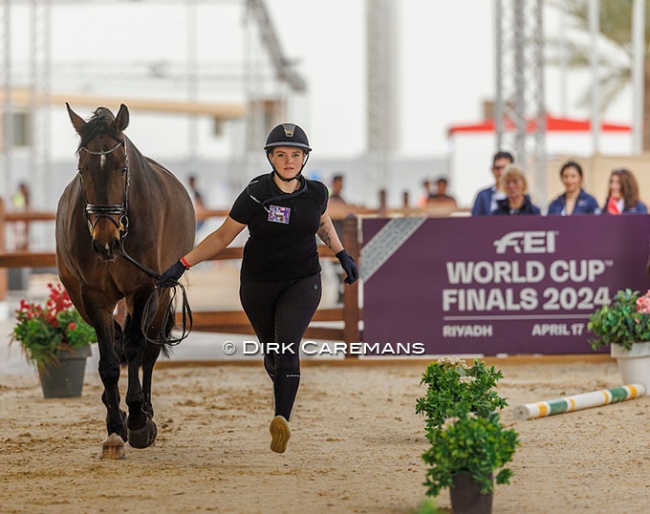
(168, 325)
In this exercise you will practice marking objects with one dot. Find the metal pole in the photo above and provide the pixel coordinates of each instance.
(564, 65)
(595, 85)
(7, 120)
(192, 81)
(498, 111)
(638, 53)
(540, 135)
(520, 84)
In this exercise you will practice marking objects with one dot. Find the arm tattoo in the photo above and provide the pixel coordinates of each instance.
(324, 234)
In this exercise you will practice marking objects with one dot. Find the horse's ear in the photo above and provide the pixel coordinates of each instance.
(122, 120)
(77, 121)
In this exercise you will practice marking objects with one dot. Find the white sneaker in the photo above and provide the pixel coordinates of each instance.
(280, 434)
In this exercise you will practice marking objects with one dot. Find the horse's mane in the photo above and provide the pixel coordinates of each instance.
(101, 124)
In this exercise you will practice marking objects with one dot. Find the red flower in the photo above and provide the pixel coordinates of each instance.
(71, 327)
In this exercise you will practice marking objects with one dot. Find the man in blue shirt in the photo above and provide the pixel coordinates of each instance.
(486, 199)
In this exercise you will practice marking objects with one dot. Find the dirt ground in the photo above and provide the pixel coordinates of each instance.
(356, 445)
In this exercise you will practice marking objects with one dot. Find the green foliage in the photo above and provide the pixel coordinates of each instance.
(450, 382)
(615, 60)
(43, 329)
(428, 507)
(463, 426)
(620, 322)
(479, 445)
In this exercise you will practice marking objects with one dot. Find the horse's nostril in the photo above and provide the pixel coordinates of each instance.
(106, 250)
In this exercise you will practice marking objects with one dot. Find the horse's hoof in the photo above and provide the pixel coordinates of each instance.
(113, 447)
(143, 437)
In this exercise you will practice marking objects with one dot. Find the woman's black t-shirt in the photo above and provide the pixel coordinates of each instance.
(282, 229)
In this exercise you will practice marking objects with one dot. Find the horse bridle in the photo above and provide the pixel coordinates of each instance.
(115, 209)
(108, 210)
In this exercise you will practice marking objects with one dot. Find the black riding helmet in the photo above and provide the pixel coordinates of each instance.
(287, 134)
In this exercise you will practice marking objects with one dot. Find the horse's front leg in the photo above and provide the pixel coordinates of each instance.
(109, 372)
(142, 430)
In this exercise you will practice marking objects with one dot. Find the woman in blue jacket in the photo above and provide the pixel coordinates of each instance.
(516, 202)
(623, 195)
(574, 200)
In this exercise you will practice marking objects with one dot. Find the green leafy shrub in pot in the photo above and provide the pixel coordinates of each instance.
(624, 322)
(467, 442)
(462, 425)
(451, 381)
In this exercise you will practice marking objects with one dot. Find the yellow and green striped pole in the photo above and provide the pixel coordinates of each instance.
(579, 401)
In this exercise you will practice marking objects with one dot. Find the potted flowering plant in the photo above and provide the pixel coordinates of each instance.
(469, 445)
(624, 325)
(51, 334)
(624, 322)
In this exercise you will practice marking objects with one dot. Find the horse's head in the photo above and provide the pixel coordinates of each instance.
(103, 168)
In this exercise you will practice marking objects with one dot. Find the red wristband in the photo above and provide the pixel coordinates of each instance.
(185, 263)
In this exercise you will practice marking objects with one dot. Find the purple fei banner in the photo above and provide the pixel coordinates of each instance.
(493, 285)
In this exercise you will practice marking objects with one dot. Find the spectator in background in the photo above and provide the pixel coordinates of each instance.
(516, 202)
(623, 194)
(440, 197)
(424, 199)
(574, 200)
(486, 199)
(20, 201)
(335, 192)
(197, 200)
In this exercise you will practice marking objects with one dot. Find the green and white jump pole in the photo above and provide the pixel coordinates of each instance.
(579, 401)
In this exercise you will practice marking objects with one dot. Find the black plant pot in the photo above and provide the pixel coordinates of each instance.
(466, 497)
(66, 379)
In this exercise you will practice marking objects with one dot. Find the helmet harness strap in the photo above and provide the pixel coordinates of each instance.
(292, 178)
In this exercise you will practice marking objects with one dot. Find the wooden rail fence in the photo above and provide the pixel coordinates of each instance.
(234, 322)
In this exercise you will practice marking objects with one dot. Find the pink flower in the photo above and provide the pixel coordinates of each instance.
(71, 327)
(643, 304)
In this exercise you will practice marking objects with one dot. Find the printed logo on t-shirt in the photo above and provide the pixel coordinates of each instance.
(279, 214)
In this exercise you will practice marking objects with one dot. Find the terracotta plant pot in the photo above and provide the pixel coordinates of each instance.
(466, 497)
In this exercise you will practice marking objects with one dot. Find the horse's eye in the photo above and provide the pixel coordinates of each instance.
(124, 170)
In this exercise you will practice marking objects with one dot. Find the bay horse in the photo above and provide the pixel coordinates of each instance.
(121, 208)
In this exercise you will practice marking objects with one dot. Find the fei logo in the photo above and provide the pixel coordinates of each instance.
(532, 241)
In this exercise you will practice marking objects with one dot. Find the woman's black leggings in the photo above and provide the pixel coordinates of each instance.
(280, 313)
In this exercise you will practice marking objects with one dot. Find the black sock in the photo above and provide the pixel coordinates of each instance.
(285, 388)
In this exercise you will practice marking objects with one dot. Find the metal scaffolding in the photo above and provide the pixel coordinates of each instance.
(520, 114)
(39, 111)
(381, 87)
(5, 78)
(38, 79)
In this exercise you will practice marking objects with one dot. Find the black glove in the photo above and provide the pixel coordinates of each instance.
(348, 265)
(170, 277)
